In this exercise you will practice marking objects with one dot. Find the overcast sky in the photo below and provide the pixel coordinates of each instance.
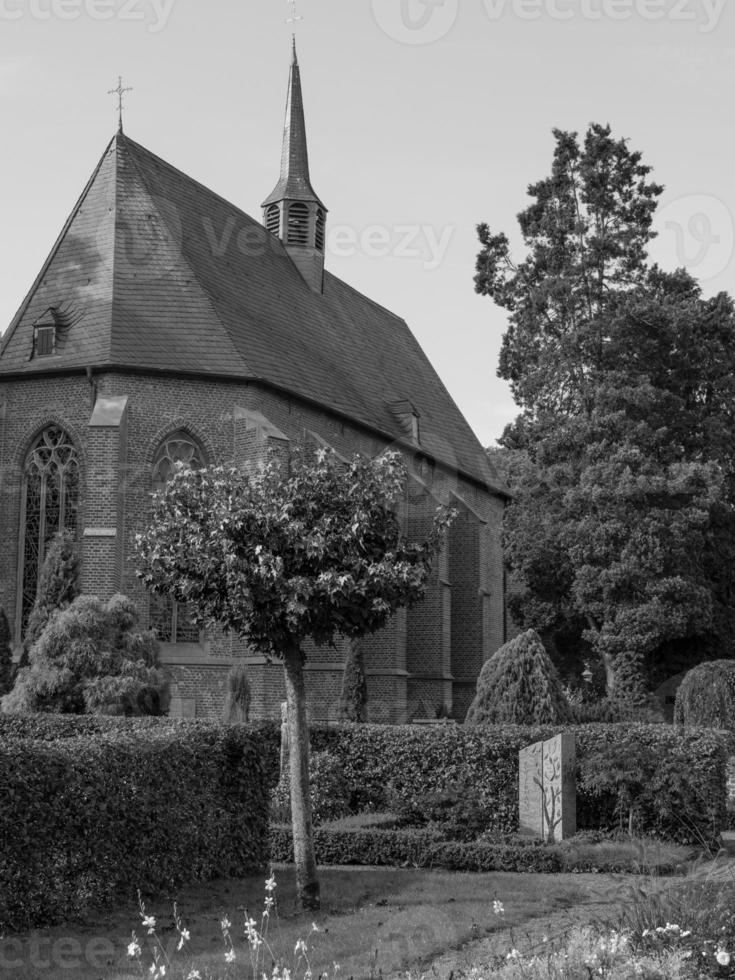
(424, 117)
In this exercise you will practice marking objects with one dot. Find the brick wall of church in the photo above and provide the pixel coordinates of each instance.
(426, 657)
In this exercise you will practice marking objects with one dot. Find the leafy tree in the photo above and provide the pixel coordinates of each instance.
(620, 534)
(90, 659)
(706, 696)
(280, 557)
(238, 695)
(6, 655)
(352, 705)
(58, 586)
(519, 685)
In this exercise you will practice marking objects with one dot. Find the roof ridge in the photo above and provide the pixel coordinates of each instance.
(368, 299)
(195, 277)
(25, 302)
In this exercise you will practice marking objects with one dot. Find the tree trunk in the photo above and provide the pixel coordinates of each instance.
(607, 661)
(307, 884)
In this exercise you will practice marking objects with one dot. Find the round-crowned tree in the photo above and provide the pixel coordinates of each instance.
(519, 685)
(706, 696)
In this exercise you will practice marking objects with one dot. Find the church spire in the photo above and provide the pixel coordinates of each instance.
(293, 211)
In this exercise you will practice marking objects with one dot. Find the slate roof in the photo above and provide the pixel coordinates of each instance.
(153, 271)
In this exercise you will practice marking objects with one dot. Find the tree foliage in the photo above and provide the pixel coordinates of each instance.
(313, 549)
(91, 659)
(620, 533)
(519, 685)
(706, 696)
(352, 705)
(58, 585)
(6, 655)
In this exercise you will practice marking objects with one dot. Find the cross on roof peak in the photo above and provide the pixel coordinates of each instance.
(295, 16)
(120, 92)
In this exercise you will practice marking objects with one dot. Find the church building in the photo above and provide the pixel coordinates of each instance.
(166, 325)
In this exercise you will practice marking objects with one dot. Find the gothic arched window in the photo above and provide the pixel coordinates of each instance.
(170, 619)
(50, 503)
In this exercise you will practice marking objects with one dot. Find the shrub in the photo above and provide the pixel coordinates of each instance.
(706, 696)
(90, 659)
(352, 704)
(519, 685)
(86, 817)
(454, 810)
(6, 655)
(683, 771)
(237, 697)
(329, 788)
(612, 711)
(58, 586)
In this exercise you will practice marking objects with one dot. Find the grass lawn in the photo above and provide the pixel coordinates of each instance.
(373, 920)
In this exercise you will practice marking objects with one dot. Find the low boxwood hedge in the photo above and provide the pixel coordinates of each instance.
(420, 848)
(121, 807)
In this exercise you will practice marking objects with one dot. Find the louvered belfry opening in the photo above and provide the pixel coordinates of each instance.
(298, 224)
(320, 224)
(273, 219)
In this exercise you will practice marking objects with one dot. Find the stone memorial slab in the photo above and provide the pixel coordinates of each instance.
(547, 798)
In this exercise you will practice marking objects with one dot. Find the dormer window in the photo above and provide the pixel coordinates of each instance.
(298, 224)
(44, 334)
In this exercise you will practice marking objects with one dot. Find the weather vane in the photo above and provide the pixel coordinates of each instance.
(295, 17)
(119, 92)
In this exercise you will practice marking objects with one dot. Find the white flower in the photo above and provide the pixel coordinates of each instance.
(314, 927)
(230, 956)
(300, 946)
(498, 908)
(513, 955)
(226, 924)
(270, 883)
(134, 949)
(149, 923)
(194, 975)
(723, 957)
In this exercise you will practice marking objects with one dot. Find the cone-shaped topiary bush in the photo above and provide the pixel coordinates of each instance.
(352, 705)
(92, 659)
(237, 695)
(706, 696)
(6, 655)
(519, 685)
(58, 587)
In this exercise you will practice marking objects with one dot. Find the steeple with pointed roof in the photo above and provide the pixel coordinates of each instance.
(293, 211)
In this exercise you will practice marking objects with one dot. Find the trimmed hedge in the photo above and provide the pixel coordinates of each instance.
(424, 849)
(683, 800)
(124, 806)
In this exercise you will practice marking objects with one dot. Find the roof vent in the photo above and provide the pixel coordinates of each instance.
(407, 416)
